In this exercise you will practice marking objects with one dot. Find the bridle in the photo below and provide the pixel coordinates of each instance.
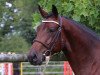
(56, 36)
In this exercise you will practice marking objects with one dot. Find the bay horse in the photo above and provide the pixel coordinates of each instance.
(80, 45)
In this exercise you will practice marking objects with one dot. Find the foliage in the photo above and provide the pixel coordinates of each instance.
(14, 44)
(26, 9)
(16, 19)
(84, 11)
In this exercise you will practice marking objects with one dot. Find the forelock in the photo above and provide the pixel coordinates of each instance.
(49, 15)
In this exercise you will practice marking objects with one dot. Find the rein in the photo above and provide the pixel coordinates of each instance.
(55, 39)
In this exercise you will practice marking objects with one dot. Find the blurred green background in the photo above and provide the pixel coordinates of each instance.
(18, 18)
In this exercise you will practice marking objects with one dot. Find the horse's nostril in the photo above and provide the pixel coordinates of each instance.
(34, 60)
(34, 57)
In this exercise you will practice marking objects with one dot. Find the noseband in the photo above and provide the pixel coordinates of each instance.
(55, 39)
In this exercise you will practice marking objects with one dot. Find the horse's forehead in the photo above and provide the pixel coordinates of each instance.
(49, 19)
(41, 27)
(46, 23)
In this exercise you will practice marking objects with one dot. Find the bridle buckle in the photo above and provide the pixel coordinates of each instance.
(47, 53)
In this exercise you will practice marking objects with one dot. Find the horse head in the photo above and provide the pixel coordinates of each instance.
(48, 39)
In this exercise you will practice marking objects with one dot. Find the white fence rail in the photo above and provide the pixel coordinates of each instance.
(53, 68)
(24, 68)
(12, 57)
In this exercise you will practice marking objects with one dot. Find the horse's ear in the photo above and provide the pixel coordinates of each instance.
(54, 11)
(42, 12)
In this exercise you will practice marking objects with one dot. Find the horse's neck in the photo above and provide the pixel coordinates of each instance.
(78, 36)
(82, 45)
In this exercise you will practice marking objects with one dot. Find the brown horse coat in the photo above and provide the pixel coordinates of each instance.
(81, 46)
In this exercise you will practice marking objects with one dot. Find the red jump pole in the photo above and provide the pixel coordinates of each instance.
(65, 67)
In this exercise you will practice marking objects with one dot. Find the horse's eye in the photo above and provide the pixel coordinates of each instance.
(52, 29)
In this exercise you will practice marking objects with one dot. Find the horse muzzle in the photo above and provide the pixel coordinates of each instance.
(36, 59)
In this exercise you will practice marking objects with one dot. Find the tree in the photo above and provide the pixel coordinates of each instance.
(85, 11)
(14, 43)
(27, 7)
(16, 24)
(16, 16)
